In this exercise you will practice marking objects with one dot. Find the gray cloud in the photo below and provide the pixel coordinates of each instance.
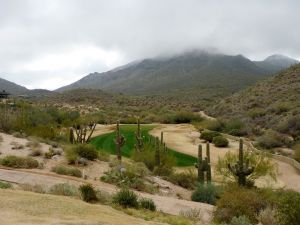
(52, 42)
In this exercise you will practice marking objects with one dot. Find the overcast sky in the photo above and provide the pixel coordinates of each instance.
(51, 43)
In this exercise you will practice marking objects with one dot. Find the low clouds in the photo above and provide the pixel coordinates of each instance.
(49, 43)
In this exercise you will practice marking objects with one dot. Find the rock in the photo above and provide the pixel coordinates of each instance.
(83, 161)
(55, 157)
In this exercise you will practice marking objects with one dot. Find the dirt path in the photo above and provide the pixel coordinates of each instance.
(185, 138)
(166, 204)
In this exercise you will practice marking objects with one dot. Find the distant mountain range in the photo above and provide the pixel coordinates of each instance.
(11, 87)
(195, 70)
(195, 73)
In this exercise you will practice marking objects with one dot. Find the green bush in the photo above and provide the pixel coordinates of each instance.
(270, 139)
(209, 135)
(87, 151)
(126, 198)
(235, 127)
(220, 141)
(88, 193)
(290, 126)
(185, 179)
(288, 208)
(74, 152)
(241, 220)
(103, 156)
(182, 117)
(297, 152)
(19, 162)
(236, 202)
(5, 185)
(206, 193)
(147, 203)
(67, 171)
(64, 189)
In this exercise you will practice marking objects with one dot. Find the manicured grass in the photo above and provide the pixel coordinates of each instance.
(107, 143)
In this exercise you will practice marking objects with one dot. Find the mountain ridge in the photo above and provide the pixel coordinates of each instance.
(191, 70)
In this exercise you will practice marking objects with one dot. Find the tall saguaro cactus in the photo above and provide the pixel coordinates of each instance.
(157, 152)
(203, 165)
(119, 140)
(241, 169)
(138, 136)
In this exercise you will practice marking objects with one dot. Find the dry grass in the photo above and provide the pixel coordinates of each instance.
(19, 207)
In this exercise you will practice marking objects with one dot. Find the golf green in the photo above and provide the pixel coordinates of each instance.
(107, 143)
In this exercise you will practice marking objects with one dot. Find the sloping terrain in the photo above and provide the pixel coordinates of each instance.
(272, 103)
(191, 72)
(275, 63)
(11, 87)
(26, 208)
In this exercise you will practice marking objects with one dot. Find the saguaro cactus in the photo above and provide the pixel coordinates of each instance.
(138, 136)
(157, 152)
(203, 165)
(241, 169)
(119, 140)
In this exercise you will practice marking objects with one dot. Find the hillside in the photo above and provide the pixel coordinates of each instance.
(19, 207)
(273, 103)
(275, 63)
(11, 87)
(192, 72)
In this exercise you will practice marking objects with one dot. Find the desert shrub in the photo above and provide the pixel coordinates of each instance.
(103, 197)
(182, 117)
(17, 145)
(70, 154)
(131, 175)
(220, 141)
(163, 171)
(147, 203)
(5, 185)
(235, 127)
(86, 151)
(262, 163)
(267, 216)
(206, 193)
(33, 144)
(209, 135)
(185, 179)
(297, 152)
(192, 214)
(103, 156)
(236, 202)
(290, 126)
(288, 208)
(270, 139)
(241, 220)
(88, 193)
(67, 171)
(214, 125)
(34, 188)
(17, 135)
(19, 162)
(126, 198)
(35, 152)
(147, 156)
(256, 113)
(64, 189)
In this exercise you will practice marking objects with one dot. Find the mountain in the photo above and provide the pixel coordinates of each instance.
(11, 87)
(273, 103)
(191, 72)
(275, 63)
